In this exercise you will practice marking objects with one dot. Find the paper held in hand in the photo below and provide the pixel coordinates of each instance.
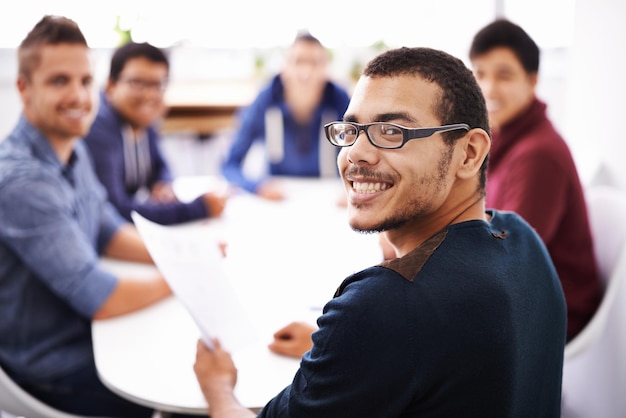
(190, 259)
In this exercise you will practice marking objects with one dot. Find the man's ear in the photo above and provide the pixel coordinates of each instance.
(108, 88)
(475, 147)
(22, 84)
(533, 78)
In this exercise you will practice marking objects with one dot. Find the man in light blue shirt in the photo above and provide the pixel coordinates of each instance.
(55, 223)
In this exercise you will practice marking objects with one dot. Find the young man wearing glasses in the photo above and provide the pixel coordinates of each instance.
(469, 319)
(124, 141)
(531, 170)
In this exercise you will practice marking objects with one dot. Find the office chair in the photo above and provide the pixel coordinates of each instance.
(607, 218)
(16, 401)
(594, 368)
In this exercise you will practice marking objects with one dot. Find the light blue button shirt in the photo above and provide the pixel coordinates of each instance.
(54, 222)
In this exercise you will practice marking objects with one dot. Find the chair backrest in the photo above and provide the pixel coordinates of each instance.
(16, 401)
(594, 370)
(607, 218)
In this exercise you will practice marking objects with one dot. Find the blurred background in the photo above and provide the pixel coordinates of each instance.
(236, 45)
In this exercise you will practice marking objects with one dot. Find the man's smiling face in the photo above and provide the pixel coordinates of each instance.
(387, 188)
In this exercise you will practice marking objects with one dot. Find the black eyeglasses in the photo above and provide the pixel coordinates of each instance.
(140, 85)
(382, 134)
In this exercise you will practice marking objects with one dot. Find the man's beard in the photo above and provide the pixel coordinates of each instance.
(414, 208)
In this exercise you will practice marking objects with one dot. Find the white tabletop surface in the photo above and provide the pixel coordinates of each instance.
(284, 259)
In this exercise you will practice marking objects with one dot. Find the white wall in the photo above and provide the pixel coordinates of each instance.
(583, 85)
(597, 87)
(10, 104)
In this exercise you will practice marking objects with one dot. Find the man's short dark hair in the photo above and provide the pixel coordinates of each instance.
(504, 33)
(50, 30)
(461, 100)
(132, 50)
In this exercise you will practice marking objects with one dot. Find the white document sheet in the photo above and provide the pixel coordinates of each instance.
(190, 259)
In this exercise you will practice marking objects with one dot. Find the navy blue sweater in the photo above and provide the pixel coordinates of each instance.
(470, 324)
(292, 149)
(106, 145)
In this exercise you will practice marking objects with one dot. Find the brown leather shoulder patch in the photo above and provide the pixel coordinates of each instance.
(409, 265)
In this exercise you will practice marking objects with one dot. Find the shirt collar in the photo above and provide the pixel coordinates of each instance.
(40, 146)
(510, 133)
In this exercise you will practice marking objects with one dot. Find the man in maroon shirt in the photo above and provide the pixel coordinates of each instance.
(531, 170)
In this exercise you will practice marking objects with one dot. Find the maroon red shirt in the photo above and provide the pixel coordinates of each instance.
(531, 171)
